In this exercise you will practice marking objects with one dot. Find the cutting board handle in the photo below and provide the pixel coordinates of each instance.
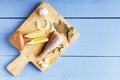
(17, 65)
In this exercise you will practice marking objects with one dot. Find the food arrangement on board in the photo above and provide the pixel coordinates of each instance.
(41, 39)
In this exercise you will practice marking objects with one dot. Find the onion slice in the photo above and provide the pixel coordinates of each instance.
(43, 27)
(47, 25)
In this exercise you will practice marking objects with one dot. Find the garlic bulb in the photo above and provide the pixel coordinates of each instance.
(43, 12)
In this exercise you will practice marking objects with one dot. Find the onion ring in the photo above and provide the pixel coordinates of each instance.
(45, 28)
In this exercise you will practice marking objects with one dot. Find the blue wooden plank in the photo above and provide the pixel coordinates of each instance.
(6, 48)
(82, 8)
(16, 8)
(68, 68)
(10, 25)
(87, 8)
(98, 37)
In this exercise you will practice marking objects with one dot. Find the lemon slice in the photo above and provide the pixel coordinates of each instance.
(38, 40)
(35, 34)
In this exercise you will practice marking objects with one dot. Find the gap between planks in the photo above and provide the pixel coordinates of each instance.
(71, 56)
(66, 17)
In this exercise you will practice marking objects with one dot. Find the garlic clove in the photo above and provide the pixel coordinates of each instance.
(46, 60)
(44, 65)
(40, 62)
(43, 12)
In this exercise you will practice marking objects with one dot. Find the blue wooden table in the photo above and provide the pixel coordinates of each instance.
(94, 56)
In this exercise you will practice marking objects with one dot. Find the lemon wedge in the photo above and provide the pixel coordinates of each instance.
(35, 34)
(38, 40)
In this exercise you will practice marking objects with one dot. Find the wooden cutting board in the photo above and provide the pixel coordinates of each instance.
(30, 53)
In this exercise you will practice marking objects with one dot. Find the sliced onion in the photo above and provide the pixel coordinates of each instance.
(45, 28)
(51, 25)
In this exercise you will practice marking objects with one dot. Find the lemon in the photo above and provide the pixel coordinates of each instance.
(35, 34)
(38, 40)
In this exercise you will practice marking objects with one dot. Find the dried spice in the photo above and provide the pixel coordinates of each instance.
(61, 27)
(70, 33)
(60, 47)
